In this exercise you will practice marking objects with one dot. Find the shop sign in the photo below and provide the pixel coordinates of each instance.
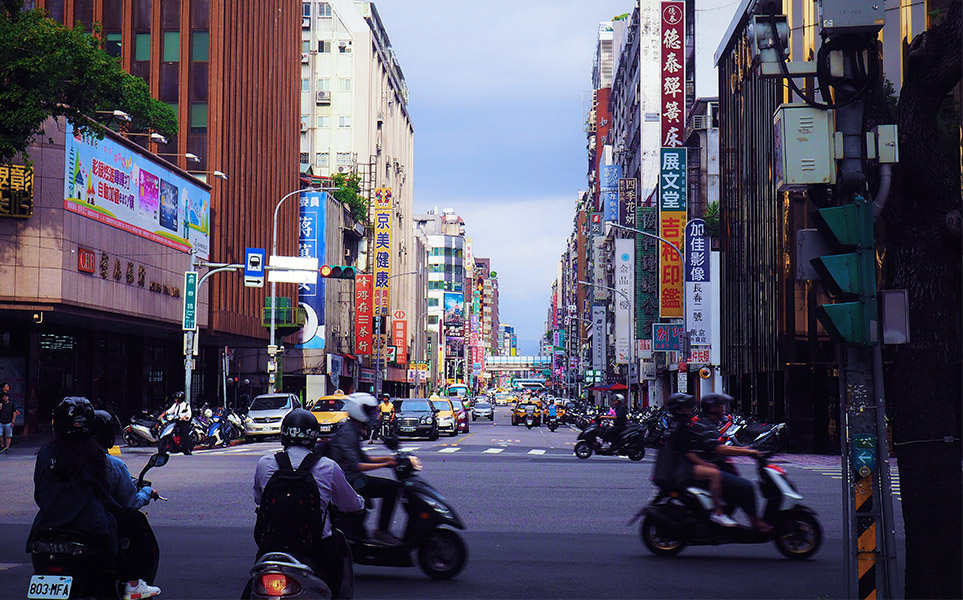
(698, 287)
(366, 375)
(86, 260)
(362, 314)
(399, 338)
(311, 217)
(16, 191)
(672, 220)
(672, 45)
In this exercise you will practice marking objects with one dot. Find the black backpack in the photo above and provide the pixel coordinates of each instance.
(290, 516)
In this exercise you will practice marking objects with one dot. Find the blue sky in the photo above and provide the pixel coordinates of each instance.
(496, 93)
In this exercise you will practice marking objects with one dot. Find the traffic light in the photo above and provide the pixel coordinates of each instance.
(851, 275)
(337, 271)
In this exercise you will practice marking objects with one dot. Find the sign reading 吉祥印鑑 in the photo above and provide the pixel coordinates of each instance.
(672, 219)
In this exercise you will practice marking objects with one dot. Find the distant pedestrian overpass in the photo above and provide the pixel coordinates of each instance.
(517, 363)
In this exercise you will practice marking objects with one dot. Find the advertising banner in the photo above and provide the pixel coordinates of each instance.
(628, 201)
(454, 309)
(16, 191)
(311, 218)
(399, 339)
(646, 272)
(610, 191)
(624, 279)
(698, 288)
(673, 72)
(382, 249)
(362, 314)
(117, 186)
(598, 337)
(672, 218)
(595, 223)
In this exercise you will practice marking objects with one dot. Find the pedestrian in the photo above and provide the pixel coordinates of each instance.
(8, 416)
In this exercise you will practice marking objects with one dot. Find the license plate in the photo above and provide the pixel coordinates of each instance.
(407, 429)
(50, 586)
(325, 428)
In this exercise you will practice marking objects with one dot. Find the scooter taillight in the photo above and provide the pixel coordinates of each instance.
(776, 468)
(276, 585)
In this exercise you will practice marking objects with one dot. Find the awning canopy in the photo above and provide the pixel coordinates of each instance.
(612, 387)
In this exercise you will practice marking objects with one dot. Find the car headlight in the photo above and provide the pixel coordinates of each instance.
(427, 420)
(248, 420)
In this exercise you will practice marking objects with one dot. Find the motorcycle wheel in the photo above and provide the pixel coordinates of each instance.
(658, 539)
(583, 450)
(637, 454)
(129, 438)
(798, 535)
(443, 555)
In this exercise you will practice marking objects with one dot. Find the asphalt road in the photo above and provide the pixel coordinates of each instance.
(540, 524)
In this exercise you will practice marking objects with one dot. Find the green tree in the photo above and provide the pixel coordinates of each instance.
(350, 194)
(49, 70)
(712, 219)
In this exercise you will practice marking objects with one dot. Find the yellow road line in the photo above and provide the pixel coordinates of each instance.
(463, 439)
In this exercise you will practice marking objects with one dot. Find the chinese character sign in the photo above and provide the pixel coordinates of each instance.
(628, 201)
(672, 67)
(646, 271)
(624, 280)
(382, 249)
(362, 314)
(672, 219)
(399, 339)
(697, 284)
(16, 191)
(610, 191)
(311, 216)
(598, 337)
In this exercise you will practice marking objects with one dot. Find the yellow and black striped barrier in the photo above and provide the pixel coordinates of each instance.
(865, 539)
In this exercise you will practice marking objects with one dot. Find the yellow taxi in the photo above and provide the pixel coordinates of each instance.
(445, 415)
(518, 413)
(329, 411)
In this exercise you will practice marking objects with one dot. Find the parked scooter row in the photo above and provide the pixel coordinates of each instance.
(214, 427)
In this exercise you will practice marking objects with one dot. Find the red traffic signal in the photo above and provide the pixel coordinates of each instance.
(337, 271)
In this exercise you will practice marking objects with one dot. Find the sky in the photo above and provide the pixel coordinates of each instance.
(496, 100)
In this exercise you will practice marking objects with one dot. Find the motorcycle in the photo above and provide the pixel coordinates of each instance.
(69, 564)
(143, 430)
(441, 552)
(736, 430)
(217, 429)
(278, 574)
(530, 417)
(552, 423)
(630, 443)
(172, 441)
(676, 519)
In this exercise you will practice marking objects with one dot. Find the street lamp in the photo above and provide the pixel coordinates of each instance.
(188, 155)
(154, 137)
(272, 346)
(628, 367)
(215, 173)
(384, 333)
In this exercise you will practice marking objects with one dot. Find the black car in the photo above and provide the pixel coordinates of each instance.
(416, 417)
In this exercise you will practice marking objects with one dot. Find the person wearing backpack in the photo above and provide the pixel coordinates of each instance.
(292, 490)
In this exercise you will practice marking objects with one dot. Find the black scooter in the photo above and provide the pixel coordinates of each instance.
(69, 564)
(441, 551)
(630, 443)
(552, 423)
(675, 519)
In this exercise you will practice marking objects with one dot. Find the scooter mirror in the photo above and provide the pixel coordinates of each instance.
(158, 460)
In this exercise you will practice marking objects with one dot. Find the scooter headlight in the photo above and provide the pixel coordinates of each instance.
(276, 585)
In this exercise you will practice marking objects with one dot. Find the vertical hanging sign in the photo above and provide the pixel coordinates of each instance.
(628, 201)
(673, 72)
(624, 281)
(598, 337)
(311, 219)
(399, 339)
(382, 250)
(362, 314)
(697, 285)
(610, 191)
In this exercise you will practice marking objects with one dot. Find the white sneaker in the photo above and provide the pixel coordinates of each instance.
(141, 590)
(724, 520)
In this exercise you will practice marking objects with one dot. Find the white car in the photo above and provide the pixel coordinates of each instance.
(266, 413)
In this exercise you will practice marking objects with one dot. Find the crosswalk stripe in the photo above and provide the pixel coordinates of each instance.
(536, 451)
(493, 451)
(450, 449)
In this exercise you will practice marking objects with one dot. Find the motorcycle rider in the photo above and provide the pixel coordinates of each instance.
(704, 437)
(299, 433)
(346, 449)
(79, 487)
(181, 411)
(694, 467)
(552, 410)
(386, 411)
(618, 425)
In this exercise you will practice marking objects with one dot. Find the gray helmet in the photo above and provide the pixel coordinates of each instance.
(299, 428)
(716, 399)
(676, 401)
(73, 418)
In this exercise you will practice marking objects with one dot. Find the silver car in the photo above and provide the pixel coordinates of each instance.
(266, 413)
(482, 409)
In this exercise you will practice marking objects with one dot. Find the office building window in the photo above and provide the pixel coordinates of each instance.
(321, 159)
(113, 45)
(304, 121)
(344, 84)
(198, 117)
(305, 46)
(172, 46)
(304, 158)
(344, 159)
(324, 10)
(142, 46)
(432, 319)
(324, 46)
(324, 122)
(305, 12)
(324, 85)
(344, 121)
(432, 301)
(436, 285)
(200, 46)
(305, 84)
(344, 46)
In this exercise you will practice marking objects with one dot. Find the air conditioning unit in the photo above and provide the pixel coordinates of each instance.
(305, 22)
(304, 58)
(701, 122)
(304, 127)
(323, 97)
(342, 169)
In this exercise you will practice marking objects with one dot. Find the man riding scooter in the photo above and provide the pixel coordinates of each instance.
(618, 425)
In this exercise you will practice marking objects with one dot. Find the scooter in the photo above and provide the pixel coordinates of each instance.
(69, 564)
(171, 440)
(529, 418)
(552, 423)
(441, 552)
(217, 426)
(676, 519)
(631, 442)
(736, 430)
(143, 430)
(279, 574)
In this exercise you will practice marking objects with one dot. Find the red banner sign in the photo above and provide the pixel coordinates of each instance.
(86, 260)
(362, 314)
(673, 73)
(399, 339)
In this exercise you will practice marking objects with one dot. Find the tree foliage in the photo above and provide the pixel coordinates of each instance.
(712, 219)
(350, 194)
(49, 70)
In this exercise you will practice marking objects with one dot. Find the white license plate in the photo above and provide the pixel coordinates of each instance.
(407, 429)
(325, 428)
(50, 586)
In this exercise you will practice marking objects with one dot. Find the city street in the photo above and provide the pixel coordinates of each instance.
(540, 524)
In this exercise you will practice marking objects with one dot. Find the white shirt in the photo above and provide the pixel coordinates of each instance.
(332, 485)
(180, 410)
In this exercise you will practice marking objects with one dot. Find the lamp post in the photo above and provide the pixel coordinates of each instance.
(579, 346)
(377, 374)
(431, 357)
(628, 367)
(272, 345)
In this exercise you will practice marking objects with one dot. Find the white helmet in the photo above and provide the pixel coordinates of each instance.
(208, 413)
(360, 406)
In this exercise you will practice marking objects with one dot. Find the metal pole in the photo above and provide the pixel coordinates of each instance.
(628, 370)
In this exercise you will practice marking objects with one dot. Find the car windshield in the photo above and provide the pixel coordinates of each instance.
(483, 405)
(412, 405)
(457, 404)
(330, 405)
(441, 404)
(271, 402)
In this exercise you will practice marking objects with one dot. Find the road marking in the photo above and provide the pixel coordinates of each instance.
(463, 439)
(8, 566)
(536, 451)
(493, 451)
(450, 449)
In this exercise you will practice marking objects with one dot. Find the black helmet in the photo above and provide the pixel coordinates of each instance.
(178, 396)
(678, 400)
(73, 417)
(299, 428)
(104, 431)
(716, 399)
